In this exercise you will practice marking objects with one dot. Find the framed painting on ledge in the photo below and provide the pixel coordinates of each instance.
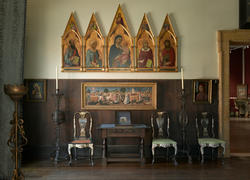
(119, 43)
(119, 96)
(72, 49)
(167, 43)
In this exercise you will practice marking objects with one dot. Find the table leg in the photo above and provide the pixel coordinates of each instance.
(104, 146)
(142, 150)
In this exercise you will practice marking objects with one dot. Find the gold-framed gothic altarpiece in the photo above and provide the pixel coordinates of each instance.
(72, 42)
(119, 45)
(119, 51)
(145, 47)
(167, 48)
(93, 47)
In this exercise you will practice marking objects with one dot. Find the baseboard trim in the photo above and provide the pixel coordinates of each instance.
(240, 154)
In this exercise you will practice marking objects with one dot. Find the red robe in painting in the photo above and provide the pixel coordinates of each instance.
(145, 58)
(168, 57)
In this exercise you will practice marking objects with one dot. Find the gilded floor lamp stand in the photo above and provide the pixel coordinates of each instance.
(16, 93)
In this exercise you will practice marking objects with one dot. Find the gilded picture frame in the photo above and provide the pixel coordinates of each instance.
(145, 47)
(72, 47)
(37, 90)
(167, 44)
(119, 95)
(119, 45)
(93, 47)
(242, 92)
(202, 91)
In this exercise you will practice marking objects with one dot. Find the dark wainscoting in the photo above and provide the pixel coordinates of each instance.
(40, 128)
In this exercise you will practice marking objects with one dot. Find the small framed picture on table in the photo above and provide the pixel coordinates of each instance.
(123, 117)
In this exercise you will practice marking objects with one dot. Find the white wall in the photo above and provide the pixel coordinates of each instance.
(195, 23)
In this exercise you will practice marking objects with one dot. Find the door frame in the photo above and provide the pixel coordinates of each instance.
(225, 38)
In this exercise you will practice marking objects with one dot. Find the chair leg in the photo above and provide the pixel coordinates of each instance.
(167, 154)
(75, 153)
(70, 155)
(174, 160)
(70, 159)
(153, 154)
(222, 154)
(91, 155)
(174, 156)
(222, 159)
(212, 153)
(202, 154)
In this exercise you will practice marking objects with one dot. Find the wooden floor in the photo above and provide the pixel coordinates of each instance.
(233, 169)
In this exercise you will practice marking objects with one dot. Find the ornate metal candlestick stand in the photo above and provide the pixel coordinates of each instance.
(16, 92)
(58, 118)
(183, 121)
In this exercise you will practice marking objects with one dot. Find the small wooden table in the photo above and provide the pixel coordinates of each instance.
(116, 131)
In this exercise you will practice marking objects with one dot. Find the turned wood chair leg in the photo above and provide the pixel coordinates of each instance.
(75, 153)
(202, 155)
(174, 156)
(174, 160)
(70, 156)
(153, 154)
(91, 156)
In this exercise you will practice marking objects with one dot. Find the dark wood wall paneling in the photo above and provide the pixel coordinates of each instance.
(40, 128)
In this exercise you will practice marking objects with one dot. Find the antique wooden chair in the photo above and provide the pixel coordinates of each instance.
(160, 134)
(82, 124)
(205, 127)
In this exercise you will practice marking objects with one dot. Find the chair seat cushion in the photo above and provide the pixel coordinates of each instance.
(210, 141)
(81, 141)
(163, 141)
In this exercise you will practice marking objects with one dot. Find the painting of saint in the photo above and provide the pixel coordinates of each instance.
(167, 55)
(36, 90)
(92, 56)
(145, 56)
(119, 19)
(202, 94)
(119, 56)
(71, 56)
(202, 91)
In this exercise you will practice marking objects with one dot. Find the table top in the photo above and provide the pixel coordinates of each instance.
(119, 126)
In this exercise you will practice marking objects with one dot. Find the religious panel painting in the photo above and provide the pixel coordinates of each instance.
(94, 47)
(167, 48)
(202, 91)
(145, 47)
(119, 45)
(37, 90)
(71, 47)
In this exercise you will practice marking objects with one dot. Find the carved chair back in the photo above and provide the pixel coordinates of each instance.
(82, 124)
(160, 125)
(205, 125)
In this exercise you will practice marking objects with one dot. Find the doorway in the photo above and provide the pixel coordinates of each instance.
(225, 39)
